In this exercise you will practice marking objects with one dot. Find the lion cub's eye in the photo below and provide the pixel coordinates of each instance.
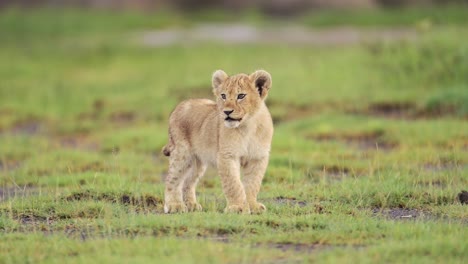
(240, 96)
(223, 96)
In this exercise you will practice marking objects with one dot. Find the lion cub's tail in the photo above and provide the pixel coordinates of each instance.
(166, 150)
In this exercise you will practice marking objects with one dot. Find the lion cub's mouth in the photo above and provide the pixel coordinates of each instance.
(230, 119)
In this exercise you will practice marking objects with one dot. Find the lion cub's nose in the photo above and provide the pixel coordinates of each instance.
(228, 112)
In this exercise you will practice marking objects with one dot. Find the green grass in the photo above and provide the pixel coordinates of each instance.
(364, 133)
(422, 17)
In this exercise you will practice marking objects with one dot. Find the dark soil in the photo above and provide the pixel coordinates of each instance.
(291, 201)
(32, 219)
(407, 110)
(217, 238)
(362, 140)
(432, 183)
(463, 197)
(292, 112)
(125, 198)
(392, 109)
(334, 172)
(303, 248)
(442, 110)
(399, 213)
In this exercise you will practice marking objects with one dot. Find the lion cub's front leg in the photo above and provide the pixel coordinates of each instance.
(229, 170)
(254, 170)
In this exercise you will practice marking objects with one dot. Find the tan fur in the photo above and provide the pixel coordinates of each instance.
(199, 136)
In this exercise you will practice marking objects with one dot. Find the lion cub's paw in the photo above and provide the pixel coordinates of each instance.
(193, 207)
(171, 208)
(239, 209)
(257, 208)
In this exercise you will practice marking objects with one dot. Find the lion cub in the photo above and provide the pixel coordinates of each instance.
(234, 134)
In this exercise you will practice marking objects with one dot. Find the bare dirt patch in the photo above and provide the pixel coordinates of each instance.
(290, 201)
(392, 109)
(335, 172)
(367, 140)
(31, 219)
(144, 200)
(289, 112)
(303, 248)
(407, 110)
(216, 238)
(400, 213)
(432, 183)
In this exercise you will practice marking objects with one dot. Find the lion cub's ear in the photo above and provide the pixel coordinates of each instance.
(262, 80)
(218, 78)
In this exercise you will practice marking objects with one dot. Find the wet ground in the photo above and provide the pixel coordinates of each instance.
(278, 34)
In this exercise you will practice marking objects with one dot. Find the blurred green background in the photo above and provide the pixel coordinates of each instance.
(369, 101)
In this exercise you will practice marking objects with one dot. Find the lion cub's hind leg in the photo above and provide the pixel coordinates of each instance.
(254, 170)
(190, 184)
(180, 167)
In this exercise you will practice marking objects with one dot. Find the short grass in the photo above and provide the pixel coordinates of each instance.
(369, 152)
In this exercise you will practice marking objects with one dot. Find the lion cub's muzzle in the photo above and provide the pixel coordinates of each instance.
(231, 121)
(229, 118)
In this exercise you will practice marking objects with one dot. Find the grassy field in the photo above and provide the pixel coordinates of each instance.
(369, 152)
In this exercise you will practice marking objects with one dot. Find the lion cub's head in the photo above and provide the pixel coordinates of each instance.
(239, 96)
